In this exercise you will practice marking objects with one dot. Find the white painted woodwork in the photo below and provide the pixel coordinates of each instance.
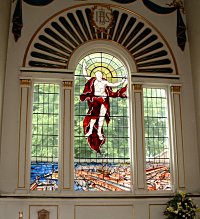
(13, 151)
(139, 135)
(67, 134)
(23, 134)
(178, 137)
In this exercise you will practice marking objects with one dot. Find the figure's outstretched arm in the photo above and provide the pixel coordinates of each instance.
(85, 71)
(117, 83)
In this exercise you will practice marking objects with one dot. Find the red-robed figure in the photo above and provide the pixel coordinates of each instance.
(97, 92)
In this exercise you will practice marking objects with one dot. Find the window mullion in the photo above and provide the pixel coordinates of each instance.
(23, 134)
(67, 126)
(177, 131)
(139, 138)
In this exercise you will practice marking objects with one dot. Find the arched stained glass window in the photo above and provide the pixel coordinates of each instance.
(101, 126)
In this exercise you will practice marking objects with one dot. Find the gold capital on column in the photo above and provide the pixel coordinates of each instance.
(25, 82)
(176, 89)
(137, 87)
(67, 84)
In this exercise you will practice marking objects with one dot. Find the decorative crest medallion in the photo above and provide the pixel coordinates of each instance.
(102, 18)
(43, 214)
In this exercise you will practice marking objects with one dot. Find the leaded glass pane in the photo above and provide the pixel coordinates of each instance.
(45, 137)
(107, 167)
(156, 126)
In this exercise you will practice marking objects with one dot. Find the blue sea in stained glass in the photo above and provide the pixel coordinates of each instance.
(42, 170)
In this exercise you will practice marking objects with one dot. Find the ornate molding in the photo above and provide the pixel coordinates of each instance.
(25, 82)
(34, 57)
(67, 84)
(176, 89)
(137, 87)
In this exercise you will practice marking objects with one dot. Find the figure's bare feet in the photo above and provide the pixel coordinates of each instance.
(88, 134)
(100, 135)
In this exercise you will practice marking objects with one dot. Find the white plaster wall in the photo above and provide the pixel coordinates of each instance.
(4, 27)
(85, 208)
(193, 17)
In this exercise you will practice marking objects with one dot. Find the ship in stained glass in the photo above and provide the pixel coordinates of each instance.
(44, 176)
(45, 137)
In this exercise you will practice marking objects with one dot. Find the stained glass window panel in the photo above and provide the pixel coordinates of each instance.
(45, 137)
(107, 167)
(156, 126)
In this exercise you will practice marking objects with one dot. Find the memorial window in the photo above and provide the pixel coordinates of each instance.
(101, 125)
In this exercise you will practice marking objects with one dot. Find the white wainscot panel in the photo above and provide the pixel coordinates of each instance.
(104, 212)
(156, 211)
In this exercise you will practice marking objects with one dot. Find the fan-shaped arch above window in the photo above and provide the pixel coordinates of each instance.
(54, 43)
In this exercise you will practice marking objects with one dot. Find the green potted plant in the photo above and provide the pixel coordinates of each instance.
(181, 206)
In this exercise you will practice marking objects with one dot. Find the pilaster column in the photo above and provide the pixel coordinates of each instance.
(67, 136)
(140, 177)
(23, 133)
(178, 135)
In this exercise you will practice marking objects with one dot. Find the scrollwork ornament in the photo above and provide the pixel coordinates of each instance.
(177, 4)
